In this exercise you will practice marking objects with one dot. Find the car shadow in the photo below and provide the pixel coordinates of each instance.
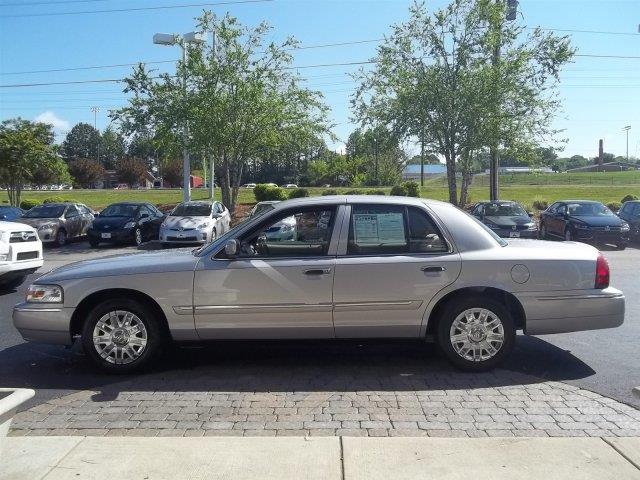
(284, 366)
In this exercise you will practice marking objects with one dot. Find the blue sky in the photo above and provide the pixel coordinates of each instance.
(601, 95)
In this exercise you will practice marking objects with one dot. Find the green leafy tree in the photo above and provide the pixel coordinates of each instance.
(82, 141)
(26, 153)
(86, 172)
(438, 79)
(112, 148)
(240, 100)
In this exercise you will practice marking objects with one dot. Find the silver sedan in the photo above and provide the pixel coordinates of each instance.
(195, 222)
(356, 267)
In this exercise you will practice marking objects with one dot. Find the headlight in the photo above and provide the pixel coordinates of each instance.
(491, 225)
(4, 257)
(531, 226)
(46, 226)
(624, 227)
(44, 294)
(129, 224)
(581, 226)
(203, 225)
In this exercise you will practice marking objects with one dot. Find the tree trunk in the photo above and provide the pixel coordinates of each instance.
(466, 167)
(451, 177)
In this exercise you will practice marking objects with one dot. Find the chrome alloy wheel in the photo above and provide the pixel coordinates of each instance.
(120, 337)
(477, 334)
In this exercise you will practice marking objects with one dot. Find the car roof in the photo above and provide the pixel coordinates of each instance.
(579, 201)
(131, 203)
(495, 202)
(356, 199)
(197, 202)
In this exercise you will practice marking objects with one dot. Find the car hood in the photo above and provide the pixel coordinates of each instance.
(510, 221)
(184, 222)
(15, 227)
(112, 222)
(595, 221)
(161, 261)
(36, 222)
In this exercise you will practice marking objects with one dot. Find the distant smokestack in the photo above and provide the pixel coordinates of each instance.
(600, 152)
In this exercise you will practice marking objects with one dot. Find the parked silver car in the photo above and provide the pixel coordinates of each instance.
(195, 222)
(58, 222)
(358, 266)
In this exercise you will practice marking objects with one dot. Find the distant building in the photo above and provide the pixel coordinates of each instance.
(606, 167)
(111, 179)
(412, 172)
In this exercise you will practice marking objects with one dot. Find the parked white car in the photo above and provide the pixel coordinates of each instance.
(249, 185)
(20, 253)
(291, 185)
(195, 222)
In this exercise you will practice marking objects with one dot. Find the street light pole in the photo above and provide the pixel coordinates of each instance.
(182, 42)
(95, 111)
(626, 129)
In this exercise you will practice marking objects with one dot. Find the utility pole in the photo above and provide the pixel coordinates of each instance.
(422, 157)
(375, 153)
(494, 193)
(626, 129)
(212, 181)
(95, 111)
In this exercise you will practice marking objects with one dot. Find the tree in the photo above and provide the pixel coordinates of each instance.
(380, 153)
(172, 172)
(438, 79)
(82, 141)
(56, 172)
(240, 101)
(26, 148)
(86, 172)
(131, 170)
(112, 148)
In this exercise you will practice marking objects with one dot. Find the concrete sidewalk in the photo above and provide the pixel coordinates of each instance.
(339, 458)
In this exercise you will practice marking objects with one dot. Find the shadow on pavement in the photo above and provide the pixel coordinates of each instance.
(310, 366)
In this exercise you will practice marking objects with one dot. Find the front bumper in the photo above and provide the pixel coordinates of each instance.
(197, 235)
(601, 236)
(572, 310)
(114, 236)
(47, 235)
(15, 266)
(48, 323)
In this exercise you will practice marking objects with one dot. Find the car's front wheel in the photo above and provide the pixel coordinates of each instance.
(568, 236)
(61, 238)
(121, 336)
(621, 246)
(476, 334)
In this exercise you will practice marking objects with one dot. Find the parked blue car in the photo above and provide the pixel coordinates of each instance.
(8, 212)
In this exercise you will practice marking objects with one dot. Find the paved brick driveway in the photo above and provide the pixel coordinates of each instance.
(327, 390)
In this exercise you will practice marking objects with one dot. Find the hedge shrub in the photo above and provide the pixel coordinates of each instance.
(29, 203)
(264, 192)
(413, 189)
(540, 204)
(375, 192)
(331, 191)
(399, 191)
(353, 192)
(299, 193)
(614, 206)
(57, 200)
(629, 198)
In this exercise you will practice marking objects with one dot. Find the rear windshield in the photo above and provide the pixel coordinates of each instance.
(119, 211)
(196, 210)
(45, 211)
(262, 208)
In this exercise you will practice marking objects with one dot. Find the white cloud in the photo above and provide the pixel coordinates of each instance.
(59, 125)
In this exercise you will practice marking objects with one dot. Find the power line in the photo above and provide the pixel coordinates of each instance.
(135, 9)
(91, 67)
(63, 2)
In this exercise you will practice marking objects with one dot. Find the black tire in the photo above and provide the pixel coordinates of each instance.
(621, 246)
(154, 342)
(94, 243)
(456, 307)
(568, 235)
(61, 237)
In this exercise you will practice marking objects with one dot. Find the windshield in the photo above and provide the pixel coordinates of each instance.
(504, 210)
(193, 210)
(46, 211)
(589, 210)
(119, 210)
(261, 208)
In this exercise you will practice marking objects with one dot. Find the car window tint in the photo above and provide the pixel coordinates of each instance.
(424, 236)
(377, 229)
(306, 232)
(72, 211)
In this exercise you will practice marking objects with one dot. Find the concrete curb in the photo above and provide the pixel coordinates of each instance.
(9, 405)
(328, 458)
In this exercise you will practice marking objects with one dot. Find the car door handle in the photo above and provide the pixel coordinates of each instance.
(433, 268)
(317, 271)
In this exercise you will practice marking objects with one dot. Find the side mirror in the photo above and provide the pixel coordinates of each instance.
(232, 248)
(530, 214)
(144, 215)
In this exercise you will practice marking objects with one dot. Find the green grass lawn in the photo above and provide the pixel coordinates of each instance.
(525, 194)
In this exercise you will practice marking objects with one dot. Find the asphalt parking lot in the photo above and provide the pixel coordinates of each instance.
(572, 384)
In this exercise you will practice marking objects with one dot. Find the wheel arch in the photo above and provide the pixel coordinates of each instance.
(508, 299)
(90, 301)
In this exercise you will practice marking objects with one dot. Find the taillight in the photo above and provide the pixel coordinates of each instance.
(602, 272)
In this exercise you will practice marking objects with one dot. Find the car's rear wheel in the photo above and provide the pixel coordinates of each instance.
(568, 236)
(543, 232)
(93, 243)
(121, 336)
(61, 238)
(476, 334)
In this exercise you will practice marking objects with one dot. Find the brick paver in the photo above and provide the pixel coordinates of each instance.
(354, 401)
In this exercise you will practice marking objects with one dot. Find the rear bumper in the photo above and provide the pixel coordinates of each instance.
(43, 323)
(572, 311)
(116, 236)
